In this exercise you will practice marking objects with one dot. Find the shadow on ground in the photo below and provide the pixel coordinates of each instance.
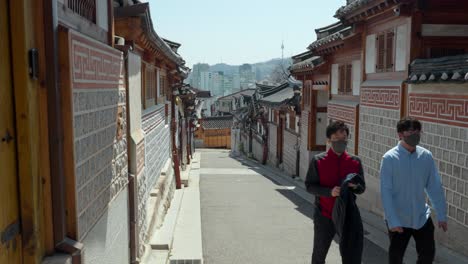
(372, 253)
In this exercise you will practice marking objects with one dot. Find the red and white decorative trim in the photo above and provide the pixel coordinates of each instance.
(343, 113)
(439, 108)
(95, 65)
(388, 97)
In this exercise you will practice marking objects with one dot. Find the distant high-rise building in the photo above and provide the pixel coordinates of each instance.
(205, 81)
(228, 84)
(196, 75)
(247, 76)
(236, 83)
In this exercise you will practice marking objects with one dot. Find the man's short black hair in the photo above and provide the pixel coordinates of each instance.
(408, 123)
(336, 126)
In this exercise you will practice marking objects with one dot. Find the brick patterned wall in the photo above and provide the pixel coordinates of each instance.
(272, 143)
(346, 114)
(376, 136)
(157, 152)
(100, 156)
(445, 134)
(449, 146)
(290, 145)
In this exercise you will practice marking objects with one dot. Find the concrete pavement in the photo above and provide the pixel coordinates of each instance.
(245, 212)
(248, 217)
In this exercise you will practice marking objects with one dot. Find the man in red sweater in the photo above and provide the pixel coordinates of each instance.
(324, 177)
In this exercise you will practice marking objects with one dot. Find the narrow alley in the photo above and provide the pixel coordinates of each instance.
(250, 215)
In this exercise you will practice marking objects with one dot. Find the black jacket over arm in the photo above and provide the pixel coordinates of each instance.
(347, 219)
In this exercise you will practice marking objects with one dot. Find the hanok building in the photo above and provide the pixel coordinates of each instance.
(63, 147)
(154, 71)
(438, 96)
(215, 132)
(278, 124)
(313, 72)
(383, 38)
(340, 47)
(227, 104)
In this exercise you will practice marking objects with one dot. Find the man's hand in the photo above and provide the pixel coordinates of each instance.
(443, 225)
(397, 229)
(336, 191)
(352, 185)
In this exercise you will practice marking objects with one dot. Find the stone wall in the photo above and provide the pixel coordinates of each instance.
(290, 147)
(272, 143)
(100, 148)
(445, 133)
(157, 153)
(346, 112)
(379, 114)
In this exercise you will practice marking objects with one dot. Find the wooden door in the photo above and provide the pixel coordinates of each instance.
(10, 238)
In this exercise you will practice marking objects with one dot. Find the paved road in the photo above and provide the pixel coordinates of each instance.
(251, 218)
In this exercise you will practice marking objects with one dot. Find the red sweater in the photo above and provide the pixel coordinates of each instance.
(327, 170)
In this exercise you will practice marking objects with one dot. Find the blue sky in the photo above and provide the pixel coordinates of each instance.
(240, 31)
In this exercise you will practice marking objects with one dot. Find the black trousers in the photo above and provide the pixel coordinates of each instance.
(324, 232)
(425, 244)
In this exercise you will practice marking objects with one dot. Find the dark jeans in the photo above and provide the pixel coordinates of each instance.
(324, 232)
(425, 244)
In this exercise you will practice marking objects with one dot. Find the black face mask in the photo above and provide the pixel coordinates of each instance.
(412, 140)
(339, 146)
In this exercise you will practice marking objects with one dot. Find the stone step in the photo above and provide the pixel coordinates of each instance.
(163, 237)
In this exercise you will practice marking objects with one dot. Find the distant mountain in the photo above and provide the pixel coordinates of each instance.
(262, 69)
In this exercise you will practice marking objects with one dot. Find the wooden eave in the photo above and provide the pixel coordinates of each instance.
(329, 47)
(368, 11)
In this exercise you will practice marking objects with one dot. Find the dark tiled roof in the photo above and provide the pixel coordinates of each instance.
(282, 93)
(279, 97)
(339, 35)
(217, 122)
(142, 10)
(302, 56)
(445, 69)
(307, 63)
(354, 5)
(246, 92)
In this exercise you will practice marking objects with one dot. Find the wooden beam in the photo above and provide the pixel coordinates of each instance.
(67, 127)
(29, 130)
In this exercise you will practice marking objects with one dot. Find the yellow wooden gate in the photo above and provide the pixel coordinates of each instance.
(10, 238)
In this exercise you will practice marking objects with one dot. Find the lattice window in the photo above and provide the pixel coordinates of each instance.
(85, 8)
(149, 85)
(385, 51)
(345, 73)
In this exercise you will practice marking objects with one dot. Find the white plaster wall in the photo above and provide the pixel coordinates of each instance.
(102, 19)
(107, 241)
(370, 54)
(134, 94)
(401, 48)
(322, 98)
(356, 76)
(334, 79)
(158, 85)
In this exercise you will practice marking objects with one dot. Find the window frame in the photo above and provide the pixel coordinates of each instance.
(385, 56)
